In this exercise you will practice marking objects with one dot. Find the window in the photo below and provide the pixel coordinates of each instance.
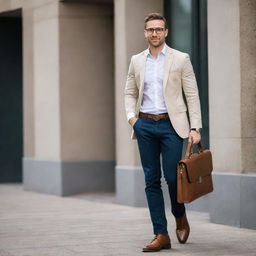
(187, 23)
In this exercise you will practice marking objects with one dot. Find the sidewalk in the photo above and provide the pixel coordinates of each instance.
(33, 224)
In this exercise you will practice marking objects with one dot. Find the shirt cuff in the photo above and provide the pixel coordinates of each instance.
(130, 115)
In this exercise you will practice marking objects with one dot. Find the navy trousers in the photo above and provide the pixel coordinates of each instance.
(157, 138)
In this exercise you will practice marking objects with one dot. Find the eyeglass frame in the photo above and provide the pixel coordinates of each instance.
(152, 30)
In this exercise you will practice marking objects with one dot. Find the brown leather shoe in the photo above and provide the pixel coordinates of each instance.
(160, 241)
(182, 229)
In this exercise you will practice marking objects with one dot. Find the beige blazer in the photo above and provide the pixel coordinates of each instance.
(179, 77)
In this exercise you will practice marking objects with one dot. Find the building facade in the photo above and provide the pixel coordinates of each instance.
(63, 71)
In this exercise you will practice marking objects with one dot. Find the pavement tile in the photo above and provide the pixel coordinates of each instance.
(34, 224)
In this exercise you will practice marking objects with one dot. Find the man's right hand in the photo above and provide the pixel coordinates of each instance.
(132, 121)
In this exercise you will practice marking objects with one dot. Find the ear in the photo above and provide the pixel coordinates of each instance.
(166, 32)
(145, 33)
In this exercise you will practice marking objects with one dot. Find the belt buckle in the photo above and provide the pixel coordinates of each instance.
(156, 118)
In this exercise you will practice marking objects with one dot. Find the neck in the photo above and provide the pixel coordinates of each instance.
(155, 50)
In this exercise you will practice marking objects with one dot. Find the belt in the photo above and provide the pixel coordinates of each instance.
(155, 117)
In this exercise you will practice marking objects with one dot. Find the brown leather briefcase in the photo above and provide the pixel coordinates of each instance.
(194, 177)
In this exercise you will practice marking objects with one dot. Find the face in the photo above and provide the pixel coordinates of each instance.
(155, 38)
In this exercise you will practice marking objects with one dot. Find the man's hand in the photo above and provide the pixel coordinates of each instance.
(195, 136)
(132, 121)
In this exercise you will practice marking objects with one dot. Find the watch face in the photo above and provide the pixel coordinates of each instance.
(194, 129)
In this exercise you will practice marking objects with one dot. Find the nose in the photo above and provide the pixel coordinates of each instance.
(154, 33)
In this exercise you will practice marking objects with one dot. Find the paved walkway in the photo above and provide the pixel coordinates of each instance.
(33, 224)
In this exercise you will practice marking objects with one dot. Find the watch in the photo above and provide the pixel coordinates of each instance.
(198, 130)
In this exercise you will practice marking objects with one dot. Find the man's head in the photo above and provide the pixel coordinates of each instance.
(155, 29)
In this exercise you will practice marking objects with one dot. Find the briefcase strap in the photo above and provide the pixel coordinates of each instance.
(189, 151)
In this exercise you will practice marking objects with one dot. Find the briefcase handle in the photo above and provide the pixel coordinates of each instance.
(189, 151)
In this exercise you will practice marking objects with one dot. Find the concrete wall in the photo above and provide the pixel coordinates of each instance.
(69, 92)
(248, 82)
(87, 82)
(224, 85)
(46, 82)
(40, 18)
(28, 83)
(41, 97)
(232, 65)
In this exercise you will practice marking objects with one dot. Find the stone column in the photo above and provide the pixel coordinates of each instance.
(9, 5)
(28, 81)
(87, 96)
(232, 100)
(129, 40)
(248, 82)
(41, 162)
(73, 97)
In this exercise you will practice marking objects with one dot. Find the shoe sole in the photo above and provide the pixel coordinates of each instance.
(168, 246)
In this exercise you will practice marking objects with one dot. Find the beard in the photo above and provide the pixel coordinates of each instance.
(156, 43)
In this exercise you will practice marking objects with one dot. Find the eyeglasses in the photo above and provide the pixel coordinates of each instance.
(157, 30)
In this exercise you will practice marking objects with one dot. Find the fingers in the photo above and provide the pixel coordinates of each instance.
(134, 121)
(194, 138)
(196, 141)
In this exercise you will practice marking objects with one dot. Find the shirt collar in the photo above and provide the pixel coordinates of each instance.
(163, 51)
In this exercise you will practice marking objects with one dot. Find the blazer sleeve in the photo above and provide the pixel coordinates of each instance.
(190, 89)
(131, 92)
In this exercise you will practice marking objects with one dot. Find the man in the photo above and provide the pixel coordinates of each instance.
(155, 108)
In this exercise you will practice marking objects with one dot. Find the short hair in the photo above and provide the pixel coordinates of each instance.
(155, 16)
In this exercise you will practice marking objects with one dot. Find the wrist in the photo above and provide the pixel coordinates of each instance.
(130, 115)
(198, 130)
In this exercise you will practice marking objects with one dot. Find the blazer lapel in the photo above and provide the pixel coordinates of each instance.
(142, 70)
(142, 75)
(167, 65)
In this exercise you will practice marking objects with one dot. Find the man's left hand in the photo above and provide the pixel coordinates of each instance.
(195, 136)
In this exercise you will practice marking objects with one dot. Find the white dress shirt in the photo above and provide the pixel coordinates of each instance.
(153, 95)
